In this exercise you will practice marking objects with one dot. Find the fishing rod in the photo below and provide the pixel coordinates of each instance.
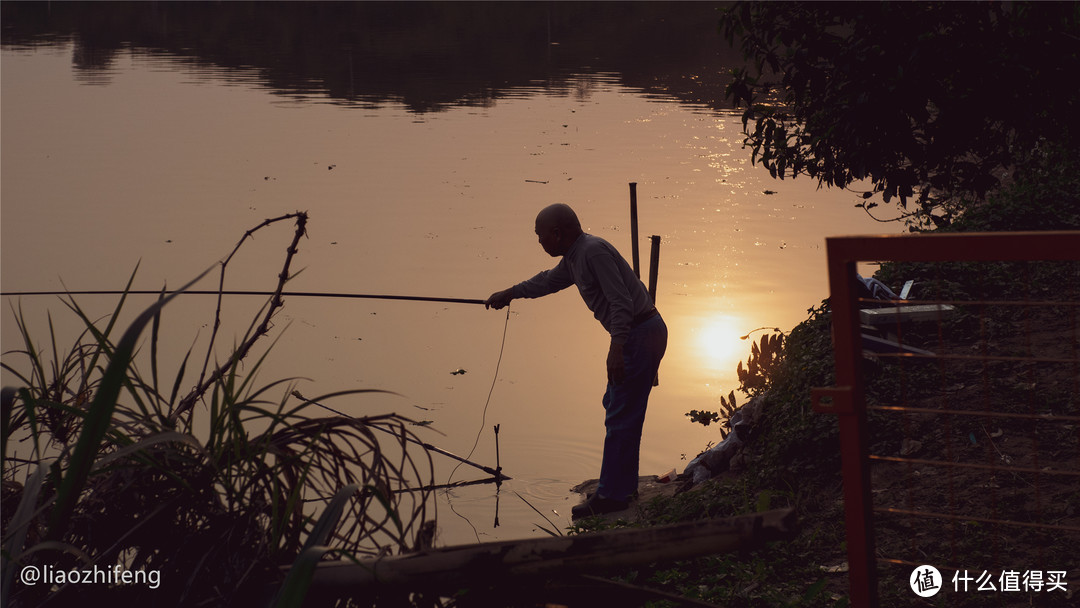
(496, 472)
(212, 292)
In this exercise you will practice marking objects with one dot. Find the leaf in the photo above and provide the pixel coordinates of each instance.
(19, 525)
(554, 533)
(99, 416)
(540, 514)
(179, 376)
(7, 415)
(154, 328)
(329, 519)
(297, 582)
(165, 437)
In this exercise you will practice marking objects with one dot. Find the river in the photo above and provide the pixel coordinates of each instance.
(421, 178)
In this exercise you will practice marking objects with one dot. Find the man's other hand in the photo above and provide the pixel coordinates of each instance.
(616, 367)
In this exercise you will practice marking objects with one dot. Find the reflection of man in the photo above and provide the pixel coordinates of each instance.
(620, 302)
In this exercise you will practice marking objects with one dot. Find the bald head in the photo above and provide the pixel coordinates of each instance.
(557, 227)
(558, 215)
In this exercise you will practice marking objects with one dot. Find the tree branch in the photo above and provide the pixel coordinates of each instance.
(204, 383)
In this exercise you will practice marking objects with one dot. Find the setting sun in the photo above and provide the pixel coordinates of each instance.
(718, 341)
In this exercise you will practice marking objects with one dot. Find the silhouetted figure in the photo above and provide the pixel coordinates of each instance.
(618, 299)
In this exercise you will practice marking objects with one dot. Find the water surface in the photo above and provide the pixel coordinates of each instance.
(154, 159)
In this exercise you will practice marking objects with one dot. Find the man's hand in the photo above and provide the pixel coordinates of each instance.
(615, 365)
(499, 299)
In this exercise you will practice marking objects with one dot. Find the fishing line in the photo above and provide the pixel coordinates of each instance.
(483, 421)
(487, 402)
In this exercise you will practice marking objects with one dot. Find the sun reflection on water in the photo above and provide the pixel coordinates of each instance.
(718, 342)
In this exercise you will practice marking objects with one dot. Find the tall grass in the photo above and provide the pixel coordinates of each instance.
(230, 493)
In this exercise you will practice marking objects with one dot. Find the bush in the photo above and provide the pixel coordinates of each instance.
(209, 495)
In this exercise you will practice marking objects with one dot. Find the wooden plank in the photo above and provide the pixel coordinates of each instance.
(452, 568)
(905, 313)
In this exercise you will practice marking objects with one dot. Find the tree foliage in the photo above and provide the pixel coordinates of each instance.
(935, 104)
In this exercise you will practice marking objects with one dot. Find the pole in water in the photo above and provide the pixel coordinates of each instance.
(498, 467)
(633, 229)
(654, 272)
(654, 266)
(498, 478)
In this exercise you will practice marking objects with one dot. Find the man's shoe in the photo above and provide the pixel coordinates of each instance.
(633, 496)
(598, 505)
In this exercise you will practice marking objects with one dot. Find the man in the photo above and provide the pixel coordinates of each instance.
(620, 302)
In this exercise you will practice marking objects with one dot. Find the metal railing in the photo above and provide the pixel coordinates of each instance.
(960, 420)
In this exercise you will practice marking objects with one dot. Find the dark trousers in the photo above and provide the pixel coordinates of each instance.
(625, 405)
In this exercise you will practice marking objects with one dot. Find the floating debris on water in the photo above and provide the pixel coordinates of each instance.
(458, 372)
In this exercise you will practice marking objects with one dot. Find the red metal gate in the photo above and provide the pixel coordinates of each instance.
(974, 405)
